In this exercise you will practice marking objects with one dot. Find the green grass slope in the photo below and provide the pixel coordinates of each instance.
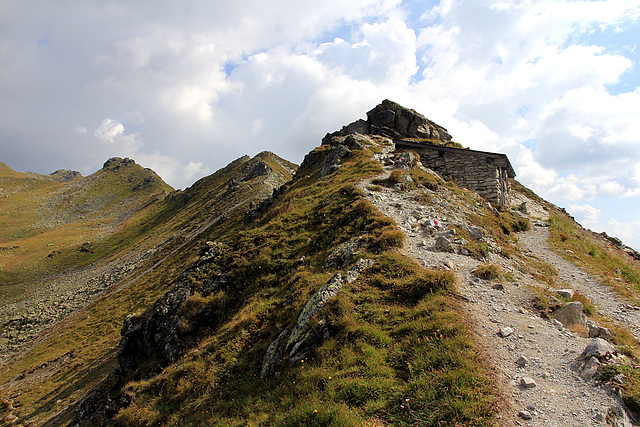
(45, 222)
(395, 350)
(45, 383)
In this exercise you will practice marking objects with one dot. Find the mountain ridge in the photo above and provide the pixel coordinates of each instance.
(347, 280)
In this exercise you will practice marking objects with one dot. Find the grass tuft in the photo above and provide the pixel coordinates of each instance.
(488, 272)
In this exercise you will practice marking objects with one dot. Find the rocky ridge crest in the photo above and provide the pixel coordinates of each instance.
(392, 120)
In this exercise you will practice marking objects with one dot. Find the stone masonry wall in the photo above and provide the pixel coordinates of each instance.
(475, 171)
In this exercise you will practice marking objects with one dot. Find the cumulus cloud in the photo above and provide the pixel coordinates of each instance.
(586, 215)
(112, 133)
(187, 88)
(170, 169)
(386, 54)
(628, 232)
(109, 130)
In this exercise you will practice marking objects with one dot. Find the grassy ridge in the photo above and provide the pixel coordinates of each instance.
(47, 221)
(183, 221)
(398, 352)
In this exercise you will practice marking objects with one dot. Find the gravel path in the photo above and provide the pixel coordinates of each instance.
(560, 396)
(607, 301)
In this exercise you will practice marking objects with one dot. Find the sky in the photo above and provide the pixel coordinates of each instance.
(186, 87)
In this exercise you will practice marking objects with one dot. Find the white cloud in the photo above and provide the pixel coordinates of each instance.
(516, 74)
(628, 232)
(170, 169)
(586, 215)
(109, 130)
(195, 85)
(386, 54)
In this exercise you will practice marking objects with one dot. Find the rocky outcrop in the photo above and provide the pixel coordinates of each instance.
(342, 255)
(65, 175)
(329, 161)
(617, 243)
(157, 335)
(394, 121)
(297, 344)
(115, 163)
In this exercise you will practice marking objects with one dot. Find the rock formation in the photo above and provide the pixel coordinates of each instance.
(394, 121)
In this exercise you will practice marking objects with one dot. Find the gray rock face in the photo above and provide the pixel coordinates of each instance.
(442, 243)
(395, 121)
(297, 345)
(155, 334)
(334, 159)
(343, 254)
(570, 314)
(596, 331)
(359, 126)
(476, 233)
(598, 347)
(340, 150)
(315, 304)
(65, 175)
(392, 120)
(523, 209)
(590, 369)
(589, 364)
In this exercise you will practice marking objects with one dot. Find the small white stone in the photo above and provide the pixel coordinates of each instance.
(525, 415)
(566, 293)
(527, 382)
(506, 331)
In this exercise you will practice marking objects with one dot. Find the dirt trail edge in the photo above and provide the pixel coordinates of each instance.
(532, 357)
(607, 301)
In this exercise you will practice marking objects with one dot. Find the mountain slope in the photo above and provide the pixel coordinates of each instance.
(363, 289)
(144, 255)
(49, 218)
(511, 283)
(248, 335)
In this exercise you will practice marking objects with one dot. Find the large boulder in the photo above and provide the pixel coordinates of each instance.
(395, 121)
(570, 314)
(392, 120)
(598, 347)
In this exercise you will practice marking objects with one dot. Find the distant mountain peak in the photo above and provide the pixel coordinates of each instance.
(115, 162)
(65, 175)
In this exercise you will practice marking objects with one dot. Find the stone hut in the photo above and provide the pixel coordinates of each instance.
(483, 172)
(480, 171)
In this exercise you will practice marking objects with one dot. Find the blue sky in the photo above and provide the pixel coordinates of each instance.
(186, 87)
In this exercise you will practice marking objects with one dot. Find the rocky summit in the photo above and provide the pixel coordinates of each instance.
(375, 284)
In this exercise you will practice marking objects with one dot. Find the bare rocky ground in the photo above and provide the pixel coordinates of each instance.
(533, 361)
(60, 297)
